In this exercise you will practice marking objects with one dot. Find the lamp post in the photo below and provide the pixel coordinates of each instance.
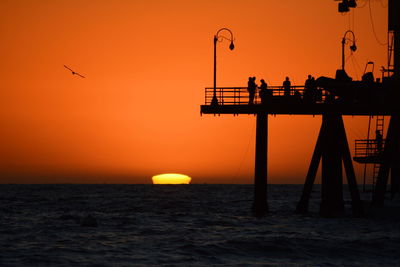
(219, 38)
(353, 47)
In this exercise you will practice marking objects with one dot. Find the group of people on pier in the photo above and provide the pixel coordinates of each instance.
(252, 89)
(310, 94)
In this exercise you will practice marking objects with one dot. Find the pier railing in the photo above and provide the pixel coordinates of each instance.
(240, 95)
(368, 148)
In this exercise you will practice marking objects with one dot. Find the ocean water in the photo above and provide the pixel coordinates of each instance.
(183, 225)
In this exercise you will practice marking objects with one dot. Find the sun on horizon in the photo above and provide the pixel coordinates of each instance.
(171, 178)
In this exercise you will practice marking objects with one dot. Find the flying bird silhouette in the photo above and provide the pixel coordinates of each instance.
(74, 72)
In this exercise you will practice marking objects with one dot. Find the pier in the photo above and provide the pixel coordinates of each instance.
(332, 98)
(332, 144)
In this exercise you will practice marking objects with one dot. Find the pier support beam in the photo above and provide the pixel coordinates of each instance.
(391, 151)
(390, 161)
(260, 206)
(395, 181)
(332, 204)
(332, 147)
(302, 206)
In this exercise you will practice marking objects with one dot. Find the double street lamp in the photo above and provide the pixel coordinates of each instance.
(353, 47)
(219, 38)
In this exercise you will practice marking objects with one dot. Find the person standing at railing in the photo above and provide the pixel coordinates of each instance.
(251, 88)
(311, 94)
(308, 94)
(379, 141)
(263, 91)
(317, 94)
(286, 87)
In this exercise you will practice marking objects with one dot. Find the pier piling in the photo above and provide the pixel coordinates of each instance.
(260, 206)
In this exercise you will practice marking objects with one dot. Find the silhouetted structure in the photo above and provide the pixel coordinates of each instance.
(217, 38)
(310, 90)
(251, 88)
(286, 87)
(353, 47)
(379, 141)
(369, 151)
(336, 97)
(263, 91)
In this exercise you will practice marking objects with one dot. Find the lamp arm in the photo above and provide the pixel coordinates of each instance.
(220, 37)
(225, 29)
(352, 33)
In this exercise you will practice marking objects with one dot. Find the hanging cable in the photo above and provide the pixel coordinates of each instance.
(355, 71)
(382, 4)
(349, 57)
(354, 66)
(358, 65)
(245, 153)
(355, 132)
(372, 24)
(362, 6)
(349, 27)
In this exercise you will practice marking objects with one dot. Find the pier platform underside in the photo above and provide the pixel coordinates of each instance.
(282, 108)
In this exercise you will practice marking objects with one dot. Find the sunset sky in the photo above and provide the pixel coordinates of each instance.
(146, 63)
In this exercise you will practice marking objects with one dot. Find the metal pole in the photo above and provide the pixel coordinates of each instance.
(352, 47)
(214, 99)
(343, 43)
(367, 149)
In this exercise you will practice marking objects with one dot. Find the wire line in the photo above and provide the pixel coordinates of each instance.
(372, 24)
(383, 5)
(365, 3)
(245, 153)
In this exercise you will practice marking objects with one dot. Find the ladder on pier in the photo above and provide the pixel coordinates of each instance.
(369, 151)
(380, 125)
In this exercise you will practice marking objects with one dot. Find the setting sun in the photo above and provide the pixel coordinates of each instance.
(171, 178)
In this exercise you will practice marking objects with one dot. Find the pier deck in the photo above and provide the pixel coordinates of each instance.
(235, 100)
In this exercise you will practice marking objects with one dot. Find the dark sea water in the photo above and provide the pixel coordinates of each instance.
(184, 225)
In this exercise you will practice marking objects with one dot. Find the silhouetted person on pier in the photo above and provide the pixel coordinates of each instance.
(314, 88)
(251, 88)
(311, 93)
(263, 91)
(308, 93)
(286, 87)
(379, 141)
(307, 84)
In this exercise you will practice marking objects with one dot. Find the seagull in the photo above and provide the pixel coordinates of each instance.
(73, 72)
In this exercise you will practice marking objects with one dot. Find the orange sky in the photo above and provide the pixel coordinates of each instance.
(146, 62)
